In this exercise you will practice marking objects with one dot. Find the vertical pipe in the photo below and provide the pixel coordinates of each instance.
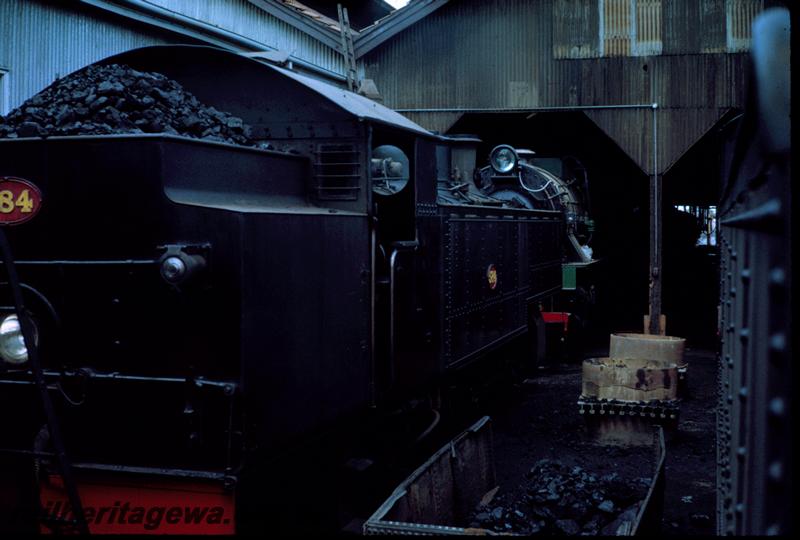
(373, 246)
(657, 192)
(373, 254)
(392, 287)
(655, 238)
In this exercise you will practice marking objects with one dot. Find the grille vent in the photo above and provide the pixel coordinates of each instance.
(337, 171)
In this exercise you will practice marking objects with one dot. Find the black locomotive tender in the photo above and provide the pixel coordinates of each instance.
(224, 302)
(754, 414)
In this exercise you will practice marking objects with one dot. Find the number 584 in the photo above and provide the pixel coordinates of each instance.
(8, 203)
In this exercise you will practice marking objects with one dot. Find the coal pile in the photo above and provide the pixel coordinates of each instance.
(558, 500)
(116, 99)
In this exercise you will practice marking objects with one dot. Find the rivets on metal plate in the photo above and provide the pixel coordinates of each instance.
(777, 276)
(776, 471)
(773, 530)
(777, 342)
(777, 406)
(745, 275)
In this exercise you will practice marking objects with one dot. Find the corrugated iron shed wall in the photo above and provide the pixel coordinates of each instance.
(43, 39)
(40, 41)
(475, 54)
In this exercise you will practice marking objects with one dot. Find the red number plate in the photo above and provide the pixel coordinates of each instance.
(20, 200)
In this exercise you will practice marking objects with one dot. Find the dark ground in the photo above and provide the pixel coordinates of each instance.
(534, 417)
(539, 419)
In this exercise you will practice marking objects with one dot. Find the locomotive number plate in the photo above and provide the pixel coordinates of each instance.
(20, 200)
(491, 276)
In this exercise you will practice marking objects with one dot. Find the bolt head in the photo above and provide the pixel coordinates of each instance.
(776, 470)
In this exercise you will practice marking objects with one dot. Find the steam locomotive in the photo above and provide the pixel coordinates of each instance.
(197, 306)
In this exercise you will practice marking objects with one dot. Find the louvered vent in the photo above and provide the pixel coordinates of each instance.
(337, 172)
(648, 28)
(616, 27)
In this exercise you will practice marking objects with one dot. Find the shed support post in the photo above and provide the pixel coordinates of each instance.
(654, 323)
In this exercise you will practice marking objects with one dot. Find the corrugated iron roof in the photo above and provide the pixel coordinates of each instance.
(316, 15)
(235, 26)
(394, 23)
(355, 104)
(295, 15)
(362, 13)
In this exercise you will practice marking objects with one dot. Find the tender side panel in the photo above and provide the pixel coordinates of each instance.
(521, 250)
(305, 321)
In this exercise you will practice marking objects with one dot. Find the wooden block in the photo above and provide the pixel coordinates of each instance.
(631, 379)
(665, 349)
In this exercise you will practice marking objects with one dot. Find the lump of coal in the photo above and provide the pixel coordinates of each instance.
(606, 506)
(568, 526)
(117, 99)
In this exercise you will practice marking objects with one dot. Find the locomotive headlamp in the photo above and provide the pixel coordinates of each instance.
(12, 344)
(390, 171)
(173, 269)
(503, 159)
(179, 263)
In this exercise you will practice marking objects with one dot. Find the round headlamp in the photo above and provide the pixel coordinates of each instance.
(173, 269)
(12, 344)
(503, 159)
